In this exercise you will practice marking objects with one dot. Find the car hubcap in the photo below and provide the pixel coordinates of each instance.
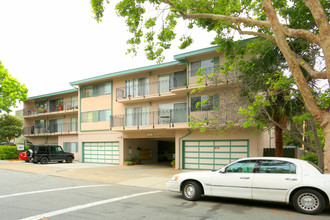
(308, 201)
(189, 191)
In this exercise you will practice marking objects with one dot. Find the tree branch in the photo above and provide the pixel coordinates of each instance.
(292, 61)
(314, 74)
(308, 145)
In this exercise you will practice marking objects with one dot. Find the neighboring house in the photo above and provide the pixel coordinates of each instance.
(144, 113)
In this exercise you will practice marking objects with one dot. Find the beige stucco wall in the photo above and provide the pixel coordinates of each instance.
(96, 103)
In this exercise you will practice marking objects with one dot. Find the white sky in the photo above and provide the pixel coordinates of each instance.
(46, 44)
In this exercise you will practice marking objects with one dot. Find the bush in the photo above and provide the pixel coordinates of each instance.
(10, 152)
(311, 157)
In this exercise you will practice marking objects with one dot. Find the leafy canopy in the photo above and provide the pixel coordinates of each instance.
(11, 91)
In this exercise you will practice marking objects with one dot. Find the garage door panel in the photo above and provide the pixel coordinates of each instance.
(213, 154)
(101, 152)
(209, 149)
(238, 149)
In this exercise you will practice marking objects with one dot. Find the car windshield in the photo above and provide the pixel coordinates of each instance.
(317, 167)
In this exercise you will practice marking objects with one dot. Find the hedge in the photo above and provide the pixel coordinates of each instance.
(10, 152)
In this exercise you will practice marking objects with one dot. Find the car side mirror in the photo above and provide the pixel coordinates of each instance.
(222, 170)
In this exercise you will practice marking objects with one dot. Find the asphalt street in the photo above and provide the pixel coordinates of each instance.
(41, 196)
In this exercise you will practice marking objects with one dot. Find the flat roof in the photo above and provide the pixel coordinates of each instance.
(52, 94)
(145, 68)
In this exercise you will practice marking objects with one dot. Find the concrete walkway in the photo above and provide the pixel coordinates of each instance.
(151, 176)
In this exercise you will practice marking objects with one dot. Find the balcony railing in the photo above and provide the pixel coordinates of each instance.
(171, 117)
(163, 117)
(65, 128)
(66, 106)
(151, 88)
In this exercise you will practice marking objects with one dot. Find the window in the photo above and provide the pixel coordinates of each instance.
(205, 102)
(96, 90)
(276, 166)
(169, 81)
(172, 113)
(56, 105)
(42, 150)
(71, 147)
(209, 66)
(74, 102)
(246, 166)
(96, 116)
(137, 116)
(41, 106)
(104, 115)
(74, 124)
(40, 124)
(137, 87)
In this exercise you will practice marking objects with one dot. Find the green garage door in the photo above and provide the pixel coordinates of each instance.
(208, 155)
(101, 152)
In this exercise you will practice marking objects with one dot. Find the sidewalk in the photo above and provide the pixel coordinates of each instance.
(151, 176)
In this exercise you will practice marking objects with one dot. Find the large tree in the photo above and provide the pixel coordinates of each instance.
(10, 127)
(11, 91)
(278, 21)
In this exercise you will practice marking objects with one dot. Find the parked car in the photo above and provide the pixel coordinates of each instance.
(273, 179)
(23, 156)
(46, 153)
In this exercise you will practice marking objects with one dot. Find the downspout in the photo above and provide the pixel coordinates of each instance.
(189, 132)
(187, 71)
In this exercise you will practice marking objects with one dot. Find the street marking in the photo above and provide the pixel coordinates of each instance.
(88, 205)
(49, 190)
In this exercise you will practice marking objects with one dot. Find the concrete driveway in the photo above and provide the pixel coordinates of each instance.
(151, 176)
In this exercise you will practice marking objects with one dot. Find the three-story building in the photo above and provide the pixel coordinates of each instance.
(144, 113)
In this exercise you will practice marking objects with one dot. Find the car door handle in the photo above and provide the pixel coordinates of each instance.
(291, 179)
(244, 177)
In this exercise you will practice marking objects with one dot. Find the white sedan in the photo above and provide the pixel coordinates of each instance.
(273, 179)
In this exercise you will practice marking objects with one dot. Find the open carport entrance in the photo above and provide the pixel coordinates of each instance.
(160, 151)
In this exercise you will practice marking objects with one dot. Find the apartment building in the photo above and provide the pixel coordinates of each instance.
(144, 113)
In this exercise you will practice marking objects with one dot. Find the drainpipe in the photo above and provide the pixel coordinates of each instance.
(189, 132)
(187, 71)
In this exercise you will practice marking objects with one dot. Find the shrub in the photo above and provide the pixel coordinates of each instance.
(311, 157)
(10, 152)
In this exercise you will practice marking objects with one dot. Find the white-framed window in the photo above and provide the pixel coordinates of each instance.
(96, 116)
(169, 81)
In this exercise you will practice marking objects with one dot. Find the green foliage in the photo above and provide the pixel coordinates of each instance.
(10, 127)
(11, 90)
(311, 157)
(10, 152)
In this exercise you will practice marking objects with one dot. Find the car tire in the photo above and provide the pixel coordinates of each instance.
(308, 201)
(69, 159)
(44, 160)
(191, 191)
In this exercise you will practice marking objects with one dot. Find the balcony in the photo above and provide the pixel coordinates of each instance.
(171, 118)
(53, 129)
(178, 118)
(151, 90)
(70, 106)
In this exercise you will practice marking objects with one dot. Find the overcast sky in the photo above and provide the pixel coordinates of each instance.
(46, 44)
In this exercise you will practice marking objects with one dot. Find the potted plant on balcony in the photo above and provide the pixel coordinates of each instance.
(173, 163)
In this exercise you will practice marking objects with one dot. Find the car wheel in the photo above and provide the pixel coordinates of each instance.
(309, 201)
(191, 191)
(44, 160)
(29, 153)
(26, 161)
(69, 159)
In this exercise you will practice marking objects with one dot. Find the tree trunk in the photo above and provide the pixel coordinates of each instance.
(326, 128)
(278, 142)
